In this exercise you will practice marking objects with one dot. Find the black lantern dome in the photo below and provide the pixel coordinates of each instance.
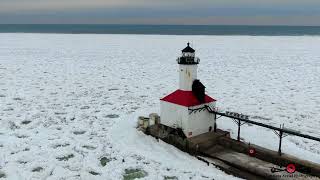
(188, 49)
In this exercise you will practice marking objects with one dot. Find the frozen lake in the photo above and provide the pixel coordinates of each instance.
(66, 101)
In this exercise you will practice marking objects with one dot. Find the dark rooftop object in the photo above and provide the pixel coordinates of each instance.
(198, 90)
(188, 49)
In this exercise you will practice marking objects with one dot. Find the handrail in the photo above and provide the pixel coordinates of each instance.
(245, 119)
(264, 125)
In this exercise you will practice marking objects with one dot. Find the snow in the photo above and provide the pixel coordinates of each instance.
(66, 101)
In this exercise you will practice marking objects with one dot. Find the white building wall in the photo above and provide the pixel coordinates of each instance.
(172, 115)
(199, 122)
(187, 74)
(177, 116)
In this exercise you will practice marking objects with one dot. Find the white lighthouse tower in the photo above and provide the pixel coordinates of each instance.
(177, 108)
(188, 65)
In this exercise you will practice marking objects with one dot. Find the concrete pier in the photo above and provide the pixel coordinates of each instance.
(233, 156)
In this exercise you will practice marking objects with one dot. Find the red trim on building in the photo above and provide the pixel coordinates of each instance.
(185, 98)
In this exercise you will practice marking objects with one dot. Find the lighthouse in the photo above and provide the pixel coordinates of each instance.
(177, 109)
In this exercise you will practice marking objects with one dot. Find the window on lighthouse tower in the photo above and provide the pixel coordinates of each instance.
(187, 54)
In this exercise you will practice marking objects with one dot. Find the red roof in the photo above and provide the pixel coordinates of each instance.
(185, 98)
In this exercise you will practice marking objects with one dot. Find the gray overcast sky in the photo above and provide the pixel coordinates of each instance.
(250, 12)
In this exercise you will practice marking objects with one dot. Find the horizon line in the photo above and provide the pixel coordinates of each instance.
(129, 24)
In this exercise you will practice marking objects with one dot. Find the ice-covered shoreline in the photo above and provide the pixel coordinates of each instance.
(65, 99)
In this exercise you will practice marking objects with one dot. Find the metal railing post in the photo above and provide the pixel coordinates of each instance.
(215, 123)
(239, 124)
(280, 139)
